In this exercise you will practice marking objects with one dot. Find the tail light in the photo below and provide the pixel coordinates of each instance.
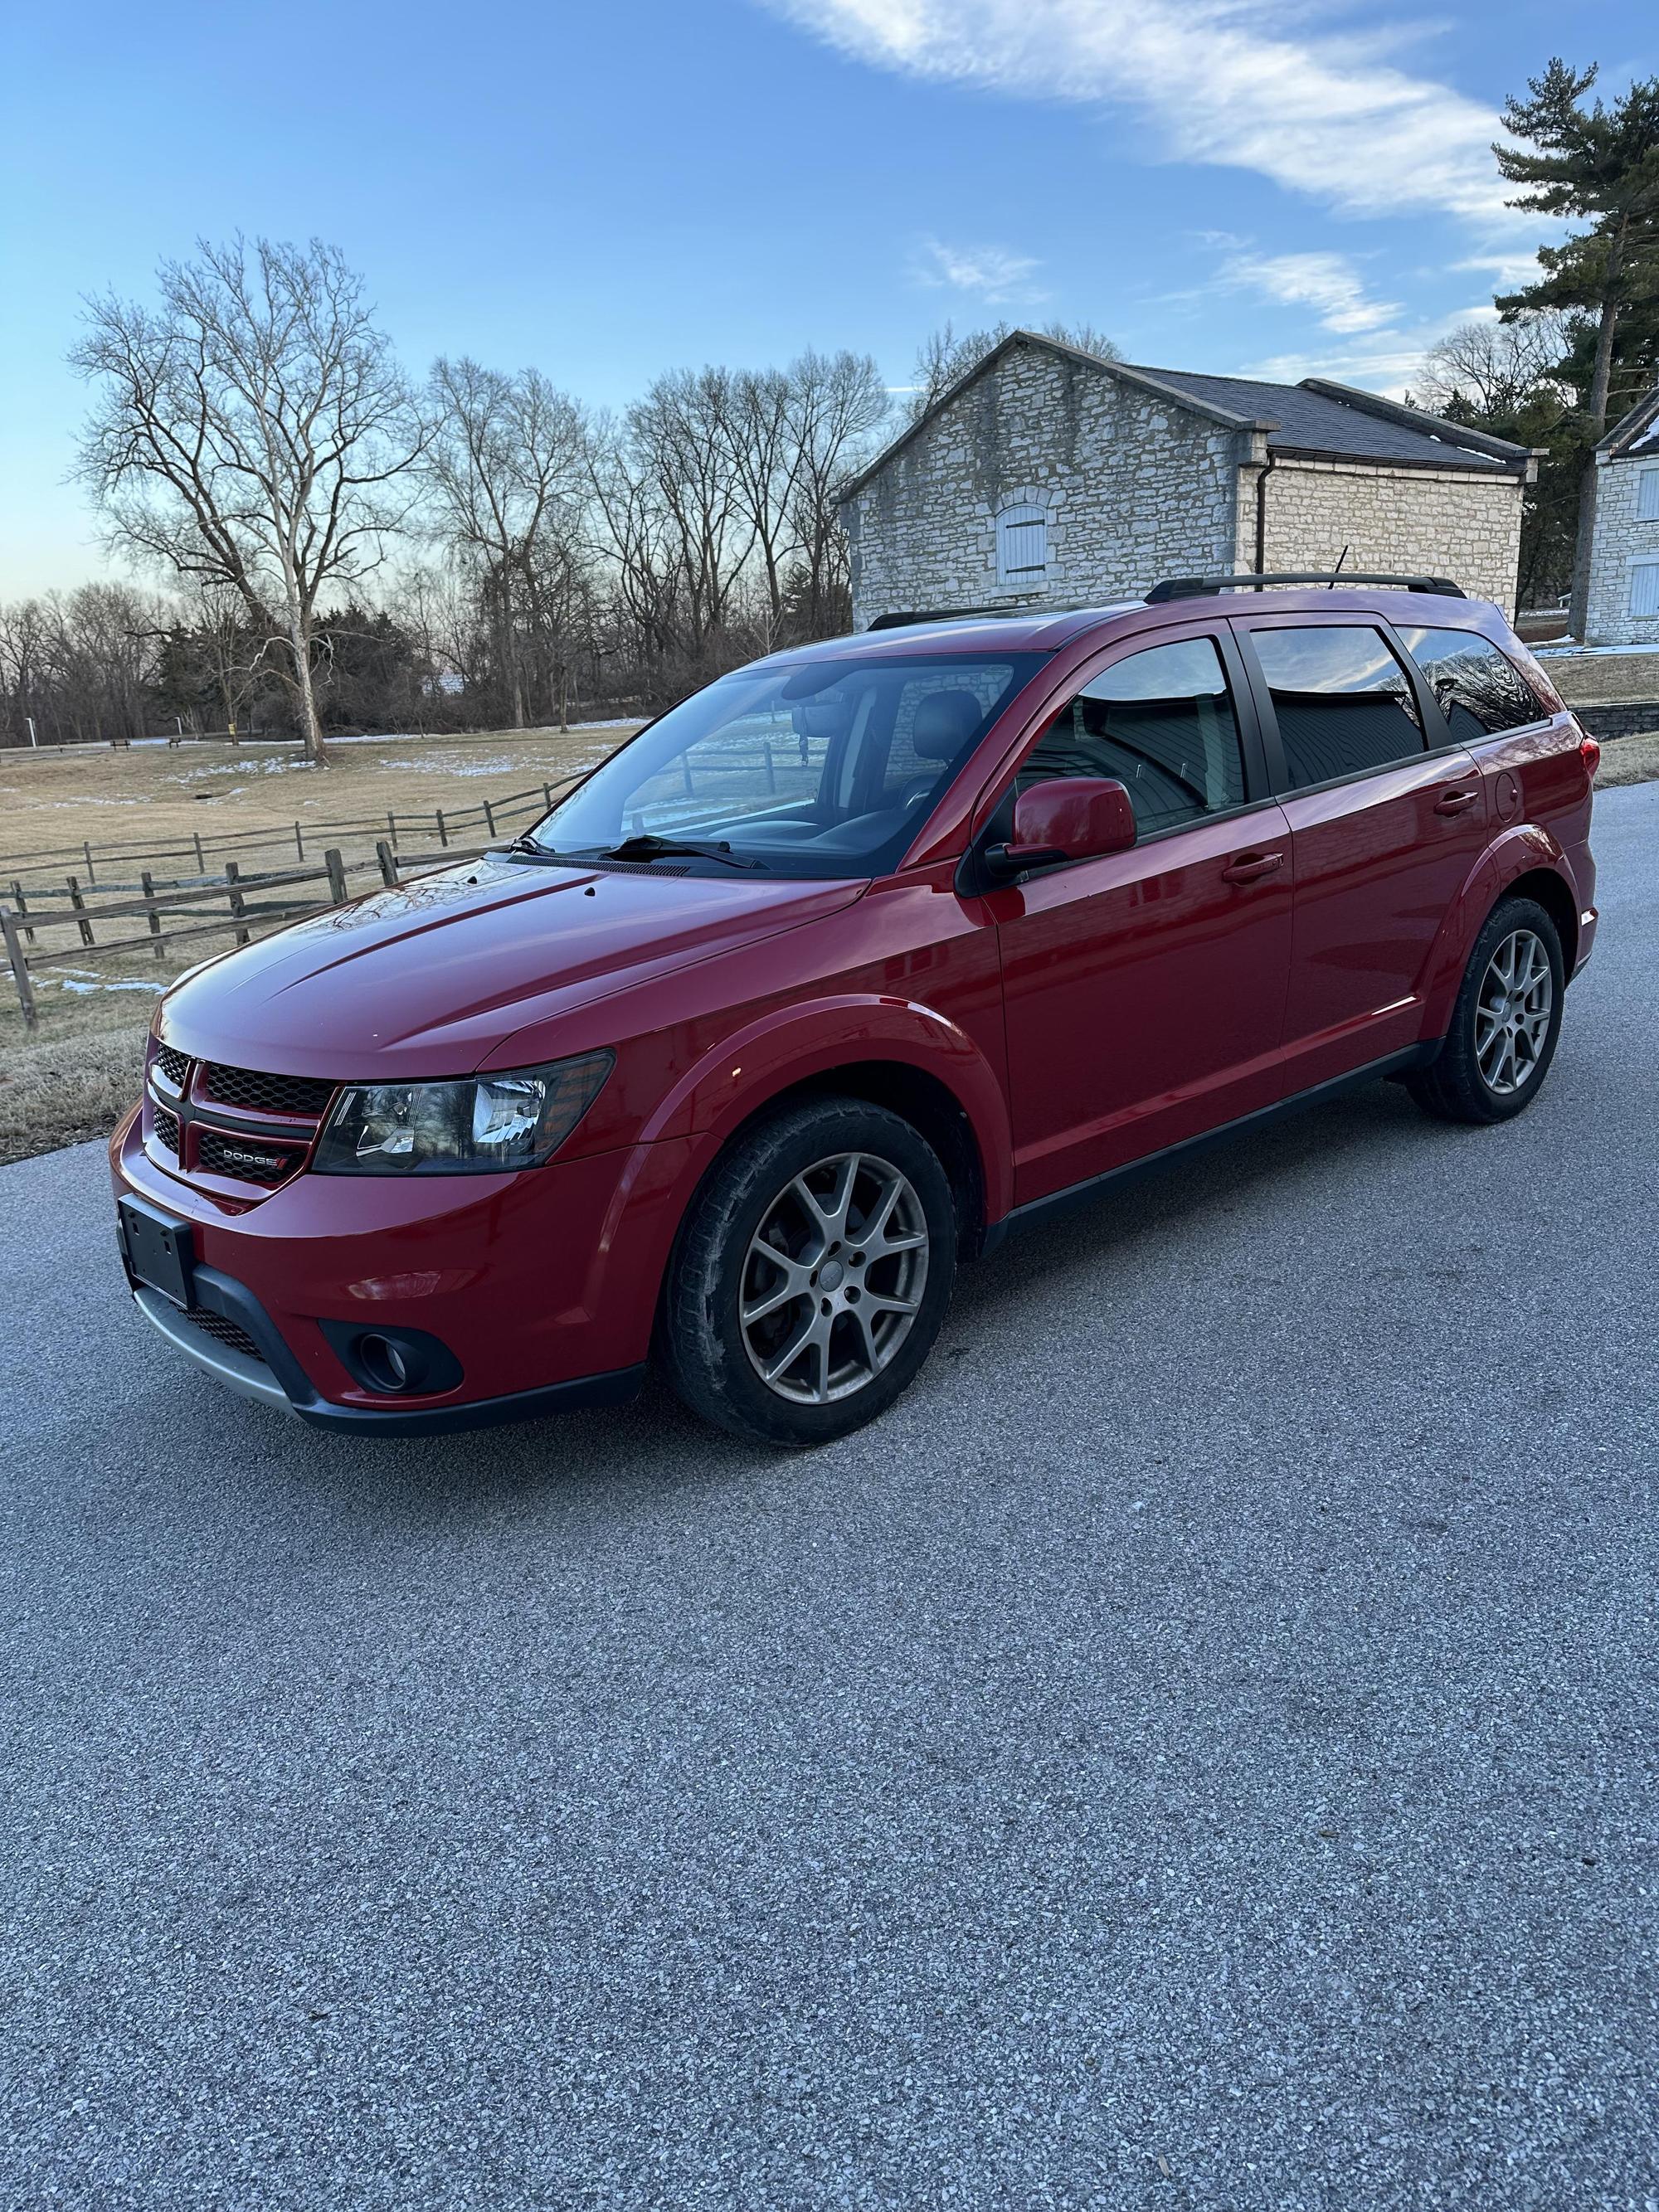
(1590, 753)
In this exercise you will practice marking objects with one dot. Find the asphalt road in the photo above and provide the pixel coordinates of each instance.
(1198, 1751)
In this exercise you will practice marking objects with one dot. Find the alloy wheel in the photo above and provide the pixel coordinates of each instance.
(1512, 1012)
(833, 1278)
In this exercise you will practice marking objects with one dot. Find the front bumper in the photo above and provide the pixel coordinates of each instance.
(543, 1285)
(275, 1379)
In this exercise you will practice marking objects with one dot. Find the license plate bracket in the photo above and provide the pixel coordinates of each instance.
(159, 1250)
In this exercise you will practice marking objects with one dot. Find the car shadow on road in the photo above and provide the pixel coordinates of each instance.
(1361, 1135)
(653, 1447)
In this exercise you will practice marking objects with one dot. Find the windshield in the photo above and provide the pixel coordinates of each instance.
(824, 768)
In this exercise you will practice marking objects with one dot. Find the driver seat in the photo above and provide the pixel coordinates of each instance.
(941, 729)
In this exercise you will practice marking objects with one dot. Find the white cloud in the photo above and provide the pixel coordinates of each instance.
(1254, 84)
(1328, 282)
(993, 274)
(1509, 272)
(1389, 367)
(1389, 360)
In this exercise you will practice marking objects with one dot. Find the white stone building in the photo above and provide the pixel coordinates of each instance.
(1623, 608)
(1049, 475)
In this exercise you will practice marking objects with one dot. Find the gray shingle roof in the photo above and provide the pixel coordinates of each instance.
(1635, 432)
(1313, 417)
(1316, 421)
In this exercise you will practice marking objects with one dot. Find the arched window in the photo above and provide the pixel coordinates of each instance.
(1022, 548)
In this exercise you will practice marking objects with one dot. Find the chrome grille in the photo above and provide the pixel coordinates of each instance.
(267, 1094)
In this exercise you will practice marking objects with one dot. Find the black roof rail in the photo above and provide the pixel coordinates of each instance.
(1200, 588)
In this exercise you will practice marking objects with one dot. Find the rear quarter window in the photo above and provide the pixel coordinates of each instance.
(1480, 690)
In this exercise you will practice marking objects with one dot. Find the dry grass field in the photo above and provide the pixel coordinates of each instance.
(1630, 760)
(54, 801)
(73, 1074)
(1586, 679)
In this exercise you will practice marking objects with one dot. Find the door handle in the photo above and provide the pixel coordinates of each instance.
(1458, 800)
(1250, 867)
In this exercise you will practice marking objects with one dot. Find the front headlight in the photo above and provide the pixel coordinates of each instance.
(485, 1125)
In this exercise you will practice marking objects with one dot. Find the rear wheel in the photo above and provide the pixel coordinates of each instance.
(1504, 1025)
(813, 1273)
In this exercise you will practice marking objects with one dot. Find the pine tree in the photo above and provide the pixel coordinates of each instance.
(1599, 166)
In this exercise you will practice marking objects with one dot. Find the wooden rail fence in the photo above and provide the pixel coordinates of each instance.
(251, 903)
(445, 824)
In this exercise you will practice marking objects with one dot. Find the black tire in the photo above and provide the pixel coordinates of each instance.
(709, 1353)
(1455, 1087)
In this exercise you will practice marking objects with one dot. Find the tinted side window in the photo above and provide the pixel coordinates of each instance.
(1162, 721)
(1481, 690)
(1344, 703)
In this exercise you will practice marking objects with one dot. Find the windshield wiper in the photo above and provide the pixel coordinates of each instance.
(645, 844)
(526, 848)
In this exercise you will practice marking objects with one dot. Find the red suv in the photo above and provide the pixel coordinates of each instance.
(838, 970)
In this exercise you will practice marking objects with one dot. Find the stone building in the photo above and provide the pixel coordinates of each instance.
(1623, 608)
(1047, 474)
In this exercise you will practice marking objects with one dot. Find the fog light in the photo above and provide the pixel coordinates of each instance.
(384, 1363)
(393, 1361)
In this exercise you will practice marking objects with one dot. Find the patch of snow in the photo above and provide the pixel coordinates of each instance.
(440, 737)
(239, 768)
(82, 985)
(64, 806)
(452, 766)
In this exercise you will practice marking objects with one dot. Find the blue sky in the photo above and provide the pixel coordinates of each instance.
(1253, 186)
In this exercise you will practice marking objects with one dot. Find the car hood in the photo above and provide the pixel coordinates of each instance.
(431, 977)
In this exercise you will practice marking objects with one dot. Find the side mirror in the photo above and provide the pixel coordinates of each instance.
(1078, 818)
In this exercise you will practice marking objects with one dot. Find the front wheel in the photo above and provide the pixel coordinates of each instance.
(813, 1275)
(1504, 1025)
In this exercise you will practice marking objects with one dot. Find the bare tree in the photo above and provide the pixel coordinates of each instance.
(221, 627)
(24, 653)
(508, 465)
(255, 432)
(438, 611)
(1492, 368)
(838, 406)
(639, 540)
(82, 664)
(681, 453)
(943, 357)
(109, 635)
(792, 434)
(765, 453)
